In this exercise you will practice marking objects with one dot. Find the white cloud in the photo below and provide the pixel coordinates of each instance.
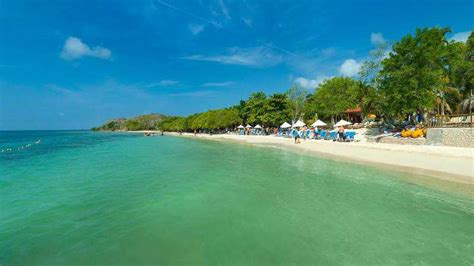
(247, 21)
(259, 56)
(310, 83)
(218, 84)
(224, 9)
(377, 38)
(196, 28)
(165, 82)
(74, 48)
(350, 68)
(460, 36)
(193, 93)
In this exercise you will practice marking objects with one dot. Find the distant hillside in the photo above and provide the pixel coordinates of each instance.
(142, 122)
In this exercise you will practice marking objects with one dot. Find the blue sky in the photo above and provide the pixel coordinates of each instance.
(75, 64)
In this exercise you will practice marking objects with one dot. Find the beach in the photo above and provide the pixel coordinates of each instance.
(447, 163)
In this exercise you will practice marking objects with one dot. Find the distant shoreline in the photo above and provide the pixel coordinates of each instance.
(442, 162)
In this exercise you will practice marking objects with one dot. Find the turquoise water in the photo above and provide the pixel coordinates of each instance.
(81, 198)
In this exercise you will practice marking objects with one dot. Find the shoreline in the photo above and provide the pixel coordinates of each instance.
(442, 162)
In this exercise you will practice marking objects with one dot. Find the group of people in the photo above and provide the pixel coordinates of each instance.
(296, 133)
(311, 133)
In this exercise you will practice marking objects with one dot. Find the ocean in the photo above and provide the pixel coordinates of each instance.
(101, 198)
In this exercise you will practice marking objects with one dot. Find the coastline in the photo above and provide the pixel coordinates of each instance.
(446, 163)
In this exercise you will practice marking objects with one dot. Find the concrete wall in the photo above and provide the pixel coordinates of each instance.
(457, 137)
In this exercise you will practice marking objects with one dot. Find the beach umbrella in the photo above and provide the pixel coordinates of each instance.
(299, 123)
(258, 127)
(240, 127)
(285, 125)
(318, 123)
(342, 123)
(248, 126)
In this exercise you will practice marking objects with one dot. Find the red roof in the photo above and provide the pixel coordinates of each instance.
(354, 110)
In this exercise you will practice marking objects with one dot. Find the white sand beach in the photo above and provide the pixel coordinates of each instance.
(447, 163)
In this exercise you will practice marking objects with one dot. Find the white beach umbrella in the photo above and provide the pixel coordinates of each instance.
(258, 127)
(318, 123)
(285, 125)
(240, 127)
(342, 123)
(248, 126)
(299, 123)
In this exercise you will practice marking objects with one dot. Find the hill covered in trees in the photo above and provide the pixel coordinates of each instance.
(142, 122)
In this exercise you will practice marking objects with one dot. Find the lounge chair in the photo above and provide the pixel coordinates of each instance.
(323, 134)
(350, 135)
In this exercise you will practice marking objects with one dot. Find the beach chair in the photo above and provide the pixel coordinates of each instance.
(323, 134)
(332, 135)
(350, 135)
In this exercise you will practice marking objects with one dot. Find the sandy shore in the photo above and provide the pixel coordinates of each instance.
(447, 163)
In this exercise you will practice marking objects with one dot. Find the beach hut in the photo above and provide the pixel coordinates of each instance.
(342, 123)
(299, 123)
(285, 125)
(318, 123)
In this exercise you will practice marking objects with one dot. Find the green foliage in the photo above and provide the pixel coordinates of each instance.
(253, 110)
(333, 97)
(413, 75)
(210, 120)
(276, 110)
(143, 122)
(461, 66)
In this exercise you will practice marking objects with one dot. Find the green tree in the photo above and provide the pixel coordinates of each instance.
(276, 110)
(333, 97)
(412, 76)
(253, 109)
(461, 66)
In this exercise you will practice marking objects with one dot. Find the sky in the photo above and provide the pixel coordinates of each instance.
(75, 64)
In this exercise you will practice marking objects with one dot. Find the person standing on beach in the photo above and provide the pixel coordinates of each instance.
(342, 136)
(296, 135)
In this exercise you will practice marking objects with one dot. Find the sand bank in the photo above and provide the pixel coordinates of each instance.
(447, 163)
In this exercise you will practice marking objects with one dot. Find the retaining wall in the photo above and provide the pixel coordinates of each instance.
(457, 137)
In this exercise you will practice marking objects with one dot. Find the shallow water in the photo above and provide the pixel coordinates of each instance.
(110, 198)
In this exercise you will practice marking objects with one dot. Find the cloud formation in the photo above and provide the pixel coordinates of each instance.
(74, 48)
(247, 21)
(196, 28)
(350, 68)
(217, 25)
(224, 9)
(162, 83)
(193, 93)
(310, 83)
(460, 36)
(259, 56)
(376, 38)
(218, 84)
